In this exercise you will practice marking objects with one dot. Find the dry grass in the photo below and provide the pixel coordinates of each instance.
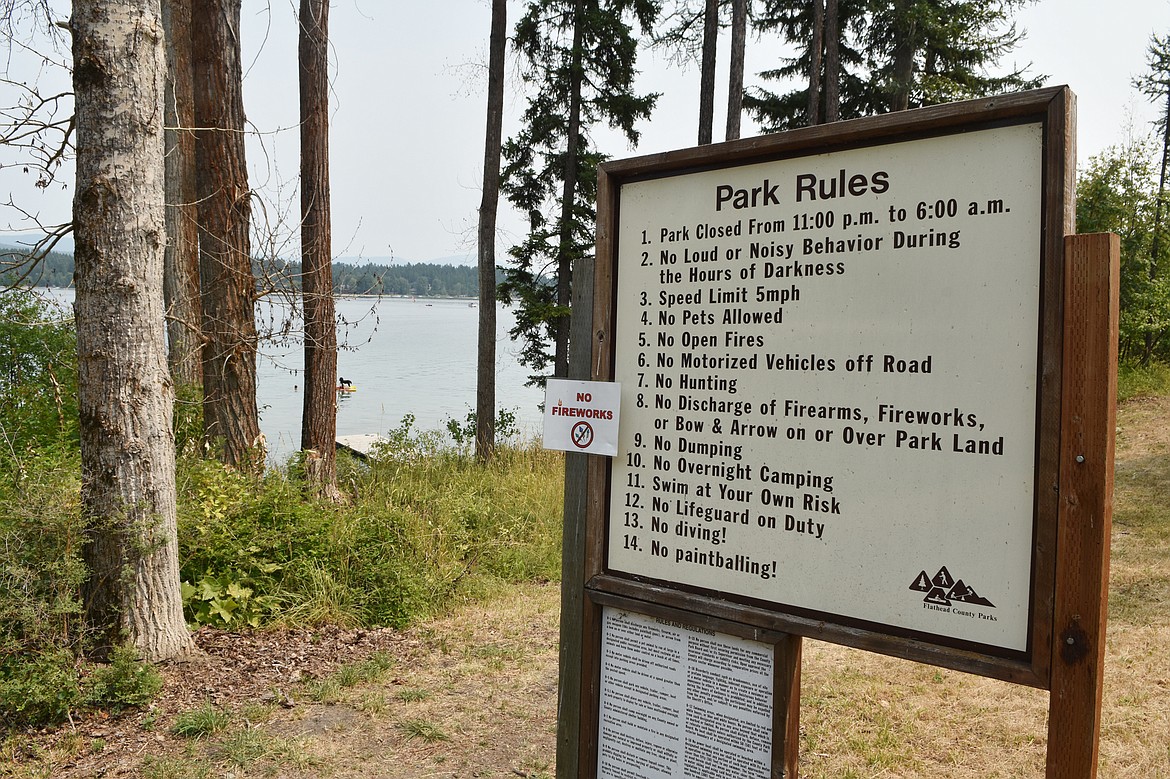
(486, 679)
(474, 694)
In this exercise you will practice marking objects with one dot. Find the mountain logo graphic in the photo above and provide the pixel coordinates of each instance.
(942, 589)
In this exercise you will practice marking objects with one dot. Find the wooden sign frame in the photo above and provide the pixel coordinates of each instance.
(589, 584)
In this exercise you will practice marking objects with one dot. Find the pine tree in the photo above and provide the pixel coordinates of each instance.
(892, 56)
(925, 52)
(579, 59)
(319, 414)
(230, 414)
(831, 64)
(485, 395)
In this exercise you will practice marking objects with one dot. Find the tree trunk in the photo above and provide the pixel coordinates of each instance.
(125, 394)
(485, 392)
(181, 266)
(735, 78)
(904, 48)
(319, 419)
(230, 418)
(1159, 201)
(565, 251)
(707, 79)
(815, 50)
(832, 62)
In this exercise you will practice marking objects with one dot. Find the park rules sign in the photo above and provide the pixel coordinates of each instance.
(835, 409)
(867, 378)
(838, 352)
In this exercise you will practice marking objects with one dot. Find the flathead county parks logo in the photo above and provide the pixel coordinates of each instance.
(942, 590)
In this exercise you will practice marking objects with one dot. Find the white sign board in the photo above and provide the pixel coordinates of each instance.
(829, 367)
(680, 701)
(581, 416)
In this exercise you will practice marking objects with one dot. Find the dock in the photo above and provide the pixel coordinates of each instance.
(361, 444)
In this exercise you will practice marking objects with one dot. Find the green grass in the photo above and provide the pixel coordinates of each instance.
(199, 722)
(1142, 381)
(412, 695)
(328, 688)
(421, 729)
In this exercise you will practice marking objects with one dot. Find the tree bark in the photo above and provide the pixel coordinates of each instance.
(1159, 201)
(832, 62)
(485, 392)
(319, 418)
(735, 78)
(181, 265)
(565, 251)
(904, 48)
(125, 394)
(231, 420)
(707, 77)
(815, 49)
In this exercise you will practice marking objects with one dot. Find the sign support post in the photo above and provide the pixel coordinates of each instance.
(1088, 419)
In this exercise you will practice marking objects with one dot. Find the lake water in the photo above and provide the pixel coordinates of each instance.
(404, 356)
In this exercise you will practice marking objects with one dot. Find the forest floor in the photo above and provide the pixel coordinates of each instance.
(473, 694)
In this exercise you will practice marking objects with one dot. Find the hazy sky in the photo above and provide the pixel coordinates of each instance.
(408, 119)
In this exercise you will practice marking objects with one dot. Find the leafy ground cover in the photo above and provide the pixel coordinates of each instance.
(471, 692)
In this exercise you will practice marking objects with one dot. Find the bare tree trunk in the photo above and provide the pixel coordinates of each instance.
(181, 266)
(230, 418)
(125, 394)
(903, 62)
(1159, 202)
(815, 49)
(485, 392)
(832, 62)
(319, 420)
(735, 78)
(707, 79)
(568, 200)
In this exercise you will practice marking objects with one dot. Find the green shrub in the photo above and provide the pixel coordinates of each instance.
(40, 557)
(38, 690)
(124, 682)
(38, 375)
(422, 523)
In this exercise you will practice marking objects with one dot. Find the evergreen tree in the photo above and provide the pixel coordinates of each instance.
(578, 57)
(925, 52)
(485, 382)
(892, 56)
(843, 74)
(319, 411)
(231, 419)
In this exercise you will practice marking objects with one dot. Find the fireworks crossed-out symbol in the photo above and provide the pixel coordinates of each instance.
(582, 435)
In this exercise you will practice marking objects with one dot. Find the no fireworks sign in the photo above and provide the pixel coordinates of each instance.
(581, 416)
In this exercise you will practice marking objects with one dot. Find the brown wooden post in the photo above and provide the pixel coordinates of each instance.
(1088, 421)
(786, 708)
